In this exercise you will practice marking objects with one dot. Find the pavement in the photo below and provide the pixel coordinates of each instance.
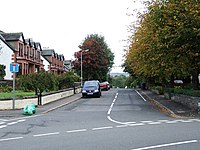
(18, 113)
(169, 107)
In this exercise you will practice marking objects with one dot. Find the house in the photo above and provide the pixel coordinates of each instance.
(6, 56)
(55, 61)
(27, 53)
(68, 65)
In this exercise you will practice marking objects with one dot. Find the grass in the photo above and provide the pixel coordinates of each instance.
(18, 94)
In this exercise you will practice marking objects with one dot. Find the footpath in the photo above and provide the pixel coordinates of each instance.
(41, 109)
(169, 107)
(166, 106)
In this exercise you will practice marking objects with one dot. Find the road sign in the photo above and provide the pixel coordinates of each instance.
(14, 67)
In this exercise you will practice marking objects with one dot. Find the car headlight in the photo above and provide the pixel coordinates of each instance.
(83, 91)
(96, 90)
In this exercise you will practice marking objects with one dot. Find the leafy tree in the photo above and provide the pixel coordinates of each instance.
(119, 81)
(2, 72)
(67, 80)
(166, 45)
(97, 61)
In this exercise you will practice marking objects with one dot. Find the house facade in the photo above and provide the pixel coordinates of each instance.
(6, 57)
(29, 55)
(55, 61)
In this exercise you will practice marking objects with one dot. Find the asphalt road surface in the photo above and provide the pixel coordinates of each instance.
(119, 120)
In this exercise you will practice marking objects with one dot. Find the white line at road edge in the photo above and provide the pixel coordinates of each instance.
(166, 145)
(141, 96)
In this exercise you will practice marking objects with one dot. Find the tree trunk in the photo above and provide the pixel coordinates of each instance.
(195, 80)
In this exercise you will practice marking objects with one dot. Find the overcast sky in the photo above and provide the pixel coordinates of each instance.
(63, 24)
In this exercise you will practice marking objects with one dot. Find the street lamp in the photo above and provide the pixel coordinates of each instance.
(82, 65)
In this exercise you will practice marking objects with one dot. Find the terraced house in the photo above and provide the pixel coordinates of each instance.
(29, 55)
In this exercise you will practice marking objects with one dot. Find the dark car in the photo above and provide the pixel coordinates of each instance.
(105, 86)
(91, 88)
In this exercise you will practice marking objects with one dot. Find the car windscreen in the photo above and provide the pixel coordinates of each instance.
(90, 84)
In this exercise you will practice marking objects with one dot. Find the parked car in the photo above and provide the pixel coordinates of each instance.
(91, 88)
(105, 86)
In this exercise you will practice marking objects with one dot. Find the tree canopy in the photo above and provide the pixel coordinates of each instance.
(166, 45)
(96, 61)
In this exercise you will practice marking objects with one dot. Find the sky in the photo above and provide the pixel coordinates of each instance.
(62, 25)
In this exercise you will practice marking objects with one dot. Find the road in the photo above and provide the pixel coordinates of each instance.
(119, 120)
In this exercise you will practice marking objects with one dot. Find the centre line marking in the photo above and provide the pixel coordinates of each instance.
(74, 131)
(11, 123)
(102, 128)
(9, 139)
(3, 126)
(46, 134)
(166, 145)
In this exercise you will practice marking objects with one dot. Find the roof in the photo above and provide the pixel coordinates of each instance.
(12, 36)
(48, 52)
(2, 38)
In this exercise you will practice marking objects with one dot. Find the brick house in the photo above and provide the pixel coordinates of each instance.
(56, 62)
(27, 53)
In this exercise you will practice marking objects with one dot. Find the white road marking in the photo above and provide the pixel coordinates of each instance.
(141, 96)
(74, 131)
(163, 120)
(9, 139)
(3, 126)
(2, 123)
(137, 124)
(11, 123)
(146, 121)
(21, 120)
(153, 123)
(46, 134)
(166, 145)
(198, 120)
(102, 128)
(118, 122)
(186, 121)
(111, 106)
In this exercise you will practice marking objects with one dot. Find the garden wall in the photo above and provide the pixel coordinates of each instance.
(20, 103)
(191, 102)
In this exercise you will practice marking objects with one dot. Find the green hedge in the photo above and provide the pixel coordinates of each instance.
(188, 92)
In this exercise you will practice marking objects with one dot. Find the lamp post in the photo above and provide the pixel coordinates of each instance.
(82, 65)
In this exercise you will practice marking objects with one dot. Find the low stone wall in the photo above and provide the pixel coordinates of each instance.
(191, 102)
(20, 103)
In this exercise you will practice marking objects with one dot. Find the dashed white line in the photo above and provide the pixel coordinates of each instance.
(3, 126)
(102, 128)
(9, 139)
(166, 145)
(146, 121)
(74, 131)
(2, 123)
(11, 123)
(46, 134)
(154, 123)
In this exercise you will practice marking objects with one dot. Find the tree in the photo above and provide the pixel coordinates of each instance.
(166, 45)
(96, 62)
(40, 82)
